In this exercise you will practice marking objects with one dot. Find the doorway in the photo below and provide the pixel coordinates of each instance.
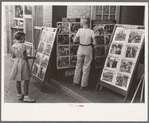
(59, 12)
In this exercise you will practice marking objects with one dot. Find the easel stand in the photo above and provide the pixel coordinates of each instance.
(142, 81)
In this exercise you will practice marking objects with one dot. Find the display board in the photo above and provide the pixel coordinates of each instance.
(46, 41)
(66, 49)
(122, 58)
(29, 48)
(103, 34)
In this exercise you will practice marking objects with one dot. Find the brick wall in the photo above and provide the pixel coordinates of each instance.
(78, 11)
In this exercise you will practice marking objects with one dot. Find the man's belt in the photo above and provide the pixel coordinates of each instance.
(86, 44)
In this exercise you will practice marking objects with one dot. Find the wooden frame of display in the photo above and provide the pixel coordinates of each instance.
(114, 87)
(43, 54)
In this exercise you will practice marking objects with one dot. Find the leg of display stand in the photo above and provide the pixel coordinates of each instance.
(42, 85)
(100, 88)
(142, 90)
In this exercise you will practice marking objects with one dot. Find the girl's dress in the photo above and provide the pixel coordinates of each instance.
(21, 69)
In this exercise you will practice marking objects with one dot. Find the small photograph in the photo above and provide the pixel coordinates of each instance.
(63, 51)
(112, 17)
(134, 37)
(131, 51)
(28, 10)
(111, 62)
(73, 61)
(107, 39)
(116, 49)
(112, 9)
(120, 35)
(122, 80)
(98, 30)
(98, 10)
(105, 9)
(51, 38)
(65, 28)
(44, 61)
(73, 50)
(29, 48)
(35, 69)
(18, 11)
(99, 50)
(59, 27)
(63, 62)
(98, 17)
(105, 17)
(99, 62)
(47, 50)
(40, 47)
(126, 66)
(38, 58)
(108, 76)
(41, 73)
(71, 39)
(100, 40)
(43, 36)
(108, 29)
(63, 39)
(74, 27)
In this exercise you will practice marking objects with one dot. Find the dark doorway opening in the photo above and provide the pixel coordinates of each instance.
(59, 12)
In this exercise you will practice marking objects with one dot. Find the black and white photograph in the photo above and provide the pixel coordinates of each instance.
(126, 66)
(63, 59)
(122, 80)
(116, 48)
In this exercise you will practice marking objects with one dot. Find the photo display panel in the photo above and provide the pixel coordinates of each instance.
(122, 56)
(46, 41)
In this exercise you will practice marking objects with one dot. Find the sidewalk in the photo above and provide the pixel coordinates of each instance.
(49, 95)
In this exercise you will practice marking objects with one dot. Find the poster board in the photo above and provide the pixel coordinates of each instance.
(46, 41)
(122, 58)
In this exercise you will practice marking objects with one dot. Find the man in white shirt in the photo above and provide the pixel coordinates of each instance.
(84, 54)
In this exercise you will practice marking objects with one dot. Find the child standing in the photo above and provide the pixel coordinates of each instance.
(21, 69)
(84, 54)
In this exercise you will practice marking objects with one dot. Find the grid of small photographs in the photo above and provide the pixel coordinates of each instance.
(66, 49)
(44, 49)
(122, 56)
(103, 34)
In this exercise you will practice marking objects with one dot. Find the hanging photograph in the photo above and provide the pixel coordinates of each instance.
(126, 66)
(41, 47)
(105, 17)
(112, 9)
(38, 58)
(112, 62)
(120, 35)
(108, 29)
(63, 51)
(44, 61)
(47, 49)
(122, 80)
(107, 39)
(41, 73)
(63, 39)
(99, 61)
(99, 50)
(63, 62)
(98, 10)
(131, 51)
(73, 61)
(74, 49)
(43, 36)
(107, 75)
(18, 11)
(98, 30)
(35, 69)
(74, 27)
(28, 10)
(100, 40)
(135, 37)
(50, 38)
(71, 39)
(116, 48)
(105, 9)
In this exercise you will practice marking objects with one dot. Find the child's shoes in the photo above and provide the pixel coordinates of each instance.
(27, 99)
(20, 96)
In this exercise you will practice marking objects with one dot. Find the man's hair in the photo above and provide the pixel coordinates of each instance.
(85, 19)
(19, 35)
